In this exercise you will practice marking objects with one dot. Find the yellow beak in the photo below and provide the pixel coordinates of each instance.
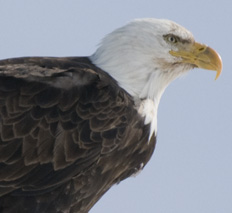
(201, 56)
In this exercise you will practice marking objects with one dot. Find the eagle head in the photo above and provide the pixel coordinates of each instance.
(145, 55)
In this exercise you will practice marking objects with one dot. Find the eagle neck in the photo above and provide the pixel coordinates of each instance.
(145, 84)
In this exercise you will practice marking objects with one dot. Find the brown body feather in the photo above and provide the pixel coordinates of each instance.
(68, 132)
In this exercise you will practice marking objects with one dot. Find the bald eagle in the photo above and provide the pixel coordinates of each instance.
(72, 127)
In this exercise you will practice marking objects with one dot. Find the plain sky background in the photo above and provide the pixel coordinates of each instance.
(191, 169)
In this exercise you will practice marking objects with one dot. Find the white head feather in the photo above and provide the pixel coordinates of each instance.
(137, 56)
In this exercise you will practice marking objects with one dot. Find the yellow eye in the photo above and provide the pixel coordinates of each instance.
(172, 39)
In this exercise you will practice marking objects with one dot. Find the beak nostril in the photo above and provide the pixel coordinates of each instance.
(201, 49)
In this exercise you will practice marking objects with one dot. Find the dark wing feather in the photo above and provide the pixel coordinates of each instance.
(63, 134)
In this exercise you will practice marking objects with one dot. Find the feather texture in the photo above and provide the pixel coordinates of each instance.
(68, 133)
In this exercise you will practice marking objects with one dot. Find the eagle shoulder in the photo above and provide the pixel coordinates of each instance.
(61, 120)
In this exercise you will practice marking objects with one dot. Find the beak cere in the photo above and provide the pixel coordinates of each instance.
(201, 56)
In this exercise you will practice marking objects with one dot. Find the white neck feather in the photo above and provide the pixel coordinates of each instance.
(145, 84)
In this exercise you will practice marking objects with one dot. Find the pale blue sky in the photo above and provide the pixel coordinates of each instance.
(191, 169)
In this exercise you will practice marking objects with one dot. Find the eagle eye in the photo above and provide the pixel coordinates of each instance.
(170, 38)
